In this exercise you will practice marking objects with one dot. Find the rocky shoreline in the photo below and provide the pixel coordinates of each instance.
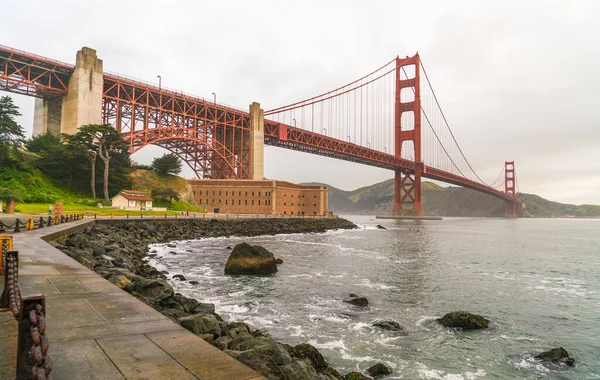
(117, 250)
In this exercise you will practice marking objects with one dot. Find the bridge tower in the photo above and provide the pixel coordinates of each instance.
(407, 189)
(80, 106)
(510, 207)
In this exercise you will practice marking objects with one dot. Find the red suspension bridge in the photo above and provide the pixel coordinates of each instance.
(390, 118)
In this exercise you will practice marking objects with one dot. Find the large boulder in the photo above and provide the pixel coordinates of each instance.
(306, 351)
(250, 259)
(201, 324)
(556, 355)
(464, 320)
(153, 290)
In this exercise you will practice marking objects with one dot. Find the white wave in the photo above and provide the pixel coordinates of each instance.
(374, 285)
(427, 373)
(331, 345)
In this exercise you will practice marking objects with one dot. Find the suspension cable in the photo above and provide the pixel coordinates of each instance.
(448, 125)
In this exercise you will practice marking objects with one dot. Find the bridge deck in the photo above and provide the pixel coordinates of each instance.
(98, 331)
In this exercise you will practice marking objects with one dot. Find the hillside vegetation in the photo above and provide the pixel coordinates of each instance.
(378, 199)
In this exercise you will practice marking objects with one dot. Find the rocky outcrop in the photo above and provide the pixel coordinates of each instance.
(250, 259)
(556, 355)
(117, 251)
(462, 319)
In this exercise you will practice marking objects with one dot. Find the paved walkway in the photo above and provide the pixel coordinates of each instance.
(98, 331)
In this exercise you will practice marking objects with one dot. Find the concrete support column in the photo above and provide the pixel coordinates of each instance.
(47, 115)
(257, 142)
(83, 103)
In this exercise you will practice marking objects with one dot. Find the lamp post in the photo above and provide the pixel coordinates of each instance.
(159, 82)
(368, 145)
(214, 97)
(294, 120)
(348, 138)
(325, 131)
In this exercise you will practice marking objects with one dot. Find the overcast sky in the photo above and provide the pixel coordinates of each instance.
(517, 80)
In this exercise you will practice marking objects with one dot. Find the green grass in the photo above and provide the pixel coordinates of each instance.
(88, 207)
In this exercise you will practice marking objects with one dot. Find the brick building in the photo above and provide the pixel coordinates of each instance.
(259, 197)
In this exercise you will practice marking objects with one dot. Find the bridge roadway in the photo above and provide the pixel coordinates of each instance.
(187, 115)
(98, 331)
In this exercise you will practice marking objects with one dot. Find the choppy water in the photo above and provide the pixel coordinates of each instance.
(537, 280)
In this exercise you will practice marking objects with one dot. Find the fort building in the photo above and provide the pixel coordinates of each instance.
(259, 197)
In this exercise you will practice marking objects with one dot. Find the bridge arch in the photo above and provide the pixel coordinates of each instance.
(207, 157)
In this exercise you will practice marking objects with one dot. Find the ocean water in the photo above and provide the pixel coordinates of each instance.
(537, 280)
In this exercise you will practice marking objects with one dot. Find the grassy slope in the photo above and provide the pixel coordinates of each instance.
(38, 192)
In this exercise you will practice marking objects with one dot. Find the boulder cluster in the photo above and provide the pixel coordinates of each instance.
(118, 252)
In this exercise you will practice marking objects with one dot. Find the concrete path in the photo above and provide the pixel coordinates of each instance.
(98, 331)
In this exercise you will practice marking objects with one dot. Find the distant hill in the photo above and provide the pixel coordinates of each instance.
(378, 199)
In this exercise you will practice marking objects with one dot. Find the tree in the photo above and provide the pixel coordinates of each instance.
(99, 141)
(12, 134)
(167, 164)
(43, 143)
(166, 193)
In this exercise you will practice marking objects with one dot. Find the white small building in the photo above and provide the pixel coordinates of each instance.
(132, 200)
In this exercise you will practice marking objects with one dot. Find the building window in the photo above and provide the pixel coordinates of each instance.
(239, 193)
(314, 205)
(226, 193)
(225, 201)
(194, 193)
(246, 193)
(285, 195)
(219, 192)
(292, 212)
(253, 193)
(246, 202)
(284, 204)
(239, 202)
(314, 196)
(213, 192)
(291, 204)
(232, 202)
(206, 192)
(259, 193)
(213, 201)
(253, 202)
(284, 213)
(259, 202)
(292, 195)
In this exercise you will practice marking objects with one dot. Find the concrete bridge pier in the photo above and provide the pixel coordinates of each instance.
(83, 103)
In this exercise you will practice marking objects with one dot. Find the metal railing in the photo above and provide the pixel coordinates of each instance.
(30, 313)
(42, 222)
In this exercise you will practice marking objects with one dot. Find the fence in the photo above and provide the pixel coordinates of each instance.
(30, 313)
(42, 222)
(212, 216)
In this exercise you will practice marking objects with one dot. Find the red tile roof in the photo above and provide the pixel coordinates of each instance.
(135, 195)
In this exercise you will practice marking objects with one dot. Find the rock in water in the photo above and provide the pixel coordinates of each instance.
(389, 326)
(306, 351)
(356, 300)
(556, 355)
(381, 227)
(179, 277)
(379, 370)
(250, 259)
(278, 261)
(464, 320)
